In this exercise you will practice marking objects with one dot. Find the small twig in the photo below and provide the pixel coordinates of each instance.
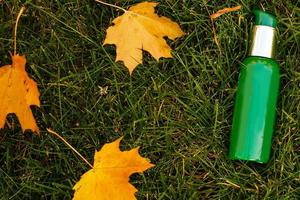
(69, 145)
(111, 5)
(224, 11)
(16, 27)
(214, 16)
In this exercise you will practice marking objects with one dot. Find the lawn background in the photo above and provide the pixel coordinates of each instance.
(179, 111)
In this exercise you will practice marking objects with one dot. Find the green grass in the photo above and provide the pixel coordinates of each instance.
(178, 110)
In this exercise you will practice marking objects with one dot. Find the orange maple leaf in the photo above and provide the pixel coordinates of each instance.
(17, 93)
(139, 29)
(109, 179)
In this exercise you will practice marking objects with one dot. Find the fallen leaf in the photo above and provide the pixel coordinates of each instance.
(139, 29)
(224, 11)
(109, 179)
(17, 93)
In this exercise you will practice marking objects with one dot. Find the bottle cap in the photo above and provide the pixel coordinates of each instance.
(265, 19)
(263, 38)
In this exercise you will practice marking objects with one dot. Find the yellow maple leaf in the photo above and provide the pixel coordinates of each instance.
(109, 178)
(17, 93)
(139, 29)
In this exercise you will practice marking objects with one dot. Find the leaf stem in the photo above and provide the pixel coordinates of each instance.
(15, 30)
(111, 5)
(215, 34)
(69, 145)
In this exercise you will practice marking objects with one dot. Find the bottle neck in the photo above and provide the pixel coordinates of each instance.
(263, 43)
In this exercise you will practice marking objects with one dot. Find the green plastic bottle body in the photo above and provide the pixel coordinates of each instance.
(255, 110)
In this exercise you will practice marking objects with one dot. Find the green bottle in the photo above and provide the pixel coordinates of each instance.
(258, 89)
